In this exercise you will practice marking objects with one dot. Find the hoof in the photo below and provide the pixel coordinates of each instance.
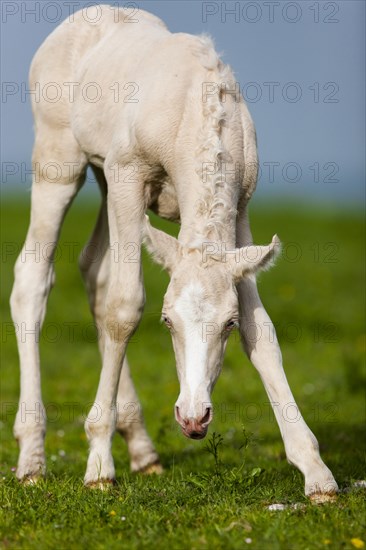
(155, 468)
(101, 484)
(322, 498)
(31, 479)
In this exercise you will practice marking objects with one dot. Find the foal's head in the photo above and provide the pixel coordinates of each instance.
(201, 309)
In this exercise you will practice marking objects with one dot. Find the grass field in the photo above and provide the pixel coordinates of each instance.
(315, 296)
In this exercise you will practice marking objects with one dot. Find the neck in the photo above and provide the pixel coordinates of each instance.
(202, 225)
(209, 203)
(209, 179)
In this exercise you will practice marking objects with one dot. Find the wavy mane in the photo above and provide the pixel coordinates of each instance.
(218, 204)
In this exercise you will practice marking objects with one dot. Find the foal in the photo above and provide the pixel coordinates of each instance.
(181, 142)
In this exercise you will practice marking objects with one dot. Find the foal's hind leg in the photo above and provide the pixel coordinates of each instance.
(57, 178)
(94, 265)
(130, 424)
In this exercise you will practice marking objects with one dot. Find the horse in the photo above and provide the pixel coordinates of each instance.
(158, 117)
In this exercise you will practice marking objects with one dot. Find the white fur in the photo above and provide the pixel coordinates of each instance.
(194, 311)
(160, 141)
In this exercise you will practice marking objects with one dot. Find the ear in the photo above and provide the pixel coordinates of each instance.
(164, 249)
(251, 259)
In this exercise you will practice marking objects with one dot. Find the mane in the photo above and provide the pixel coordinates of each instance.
(218, 203)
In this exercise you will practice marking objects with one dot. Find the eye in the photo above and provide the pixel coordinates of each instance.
(231, 324)
(166, 320)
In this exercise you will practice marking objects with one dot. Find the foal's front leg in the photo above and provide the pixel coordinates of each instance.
(95, 267)
(260, 342)
(123, 310)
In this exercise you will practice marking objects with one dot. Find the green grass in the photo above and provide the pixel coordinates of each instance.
(316, 303)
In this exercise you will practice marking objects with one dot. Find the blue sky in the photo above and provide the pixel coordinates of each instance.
(300, 66)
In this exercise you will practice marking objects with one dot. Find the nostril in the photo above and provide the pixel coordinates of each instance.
(193, 424)
(207, 416)
(178, 417)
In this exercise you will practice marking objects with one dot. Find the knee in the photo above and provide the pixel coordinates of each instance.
(123, 315)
